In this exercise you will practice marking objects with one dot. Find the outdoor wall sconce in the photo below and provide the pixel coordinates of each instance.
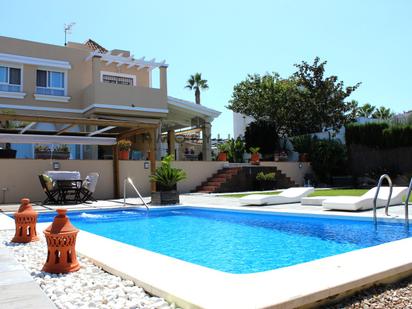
(56, 166)
(146, 165)
(61, 242)
(300, 165)
(25, 219)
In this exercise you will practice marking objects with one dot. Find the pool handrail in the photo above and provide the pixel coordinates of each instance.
(384, 176)
(130, 181)
(407, 204)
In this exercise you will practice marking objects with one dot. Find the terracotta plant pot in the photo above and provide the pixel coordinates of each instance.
(304, 157)
(254, 159)
(124, 154)
(222, 156)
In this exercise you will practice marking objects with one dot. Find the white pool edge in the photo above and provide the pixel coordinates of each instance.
(193, 286)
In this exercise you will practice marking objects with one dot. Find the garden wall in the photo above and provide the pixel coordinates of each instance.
(20, 176)
(367, 160)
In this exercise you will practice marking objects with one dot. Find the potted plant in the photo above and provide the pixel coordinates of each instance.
(42, 152)
(303, 145)
(124, 149)
(61, 152)
(265, 181)
(166, 178)
(223, 150)
(254, 159)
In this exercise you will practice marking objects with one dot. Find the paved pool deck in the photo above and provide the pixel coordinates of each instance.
(199, 287)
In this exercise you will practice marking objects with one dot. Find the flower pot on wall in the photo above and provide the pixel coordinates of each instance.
(254, 159)
(304, 157)
(222, 156)
(124, 154)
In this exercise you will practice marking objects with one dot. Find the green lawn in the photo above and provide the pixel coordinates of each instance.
(318, 192)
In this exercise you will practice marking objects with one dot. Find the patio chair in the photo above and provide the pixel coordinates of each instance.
(291, 195)
(49, 189)
(89, 186)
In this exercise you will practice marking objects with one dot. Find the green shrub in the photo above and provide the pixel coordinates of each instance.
(368, 134)
(328, 159)
(261, 176)
(379, 135)
(302, 143)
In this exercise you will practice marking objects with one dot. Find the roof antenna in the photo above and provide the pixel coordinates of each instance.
(67, 30)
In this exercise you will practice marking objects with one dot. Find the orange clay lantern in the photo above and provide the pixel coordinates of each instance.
(61, 241)
(25, 219)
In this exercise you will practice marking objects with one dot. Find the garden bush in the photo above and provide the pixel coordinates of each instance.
(379, 135)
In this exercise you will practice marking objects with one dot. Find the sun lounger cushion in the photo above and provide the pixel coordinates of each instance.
(291, 195)
(364, 202)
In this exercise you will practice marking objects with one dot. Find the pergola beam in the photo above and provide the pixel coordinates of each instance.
(65, 129)
(77, 121)
(101, 131)
(28, 127)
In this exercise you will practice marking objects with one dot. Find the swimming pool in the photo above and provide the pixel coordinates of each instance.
(235, 242)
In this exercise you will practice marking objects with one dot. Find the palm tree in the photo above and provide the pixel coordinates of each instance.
(196, 82)
(382, 113)
(366, 110)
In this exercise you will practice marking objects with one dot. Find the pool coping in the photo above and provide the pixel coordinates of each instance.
(194, 286)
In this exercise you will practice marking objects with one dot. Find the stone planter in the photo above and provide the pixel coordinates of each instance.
(165, 197)
(265, 185)
(48, 155)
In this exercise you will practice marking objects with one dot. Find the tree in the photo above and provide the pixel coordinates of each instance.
(322, 99)
(366, 110)
(262, 134)
(382, 113)
(195, 82)
(306, 102)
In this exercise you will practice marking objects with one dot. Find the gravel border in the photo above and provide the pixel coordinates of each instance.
(383, 296)
(90, 287)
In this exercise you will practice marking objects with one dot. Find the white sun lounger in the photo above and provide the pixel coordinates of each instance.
(364, 202)
(291, 195)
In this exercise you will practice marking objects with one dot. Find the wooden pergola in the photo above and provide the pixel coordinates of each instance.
(121, 129)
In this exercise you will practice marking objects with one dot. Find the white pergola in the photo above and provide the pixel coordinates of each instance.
(130, 61)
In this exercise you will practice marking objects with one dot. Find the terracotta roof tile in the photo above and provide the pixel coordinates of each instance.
(95, 46)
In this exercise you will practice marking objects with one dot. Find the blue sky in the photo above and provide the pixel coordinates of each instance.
(363, 41)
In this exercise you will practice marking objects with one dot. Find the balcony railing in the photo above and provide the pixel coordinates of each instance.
(10, 88)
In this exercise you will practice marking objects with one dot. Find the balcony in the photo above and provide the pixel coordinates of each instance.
(113, 99)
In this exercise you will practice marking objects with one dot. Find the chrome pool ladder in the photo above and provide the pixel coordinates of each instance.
(129, 180)
(407, 204)
(381, 179)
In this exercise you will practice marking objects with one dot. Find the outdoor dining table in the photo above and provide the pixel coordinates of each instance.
(68, 184)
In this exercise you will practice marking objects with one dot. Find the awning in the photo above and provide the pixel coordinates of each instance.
(55, 139)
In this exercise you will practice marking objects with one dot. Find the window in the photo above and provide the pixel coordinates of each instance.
(10, 79)
(50, 83)
(119, 80)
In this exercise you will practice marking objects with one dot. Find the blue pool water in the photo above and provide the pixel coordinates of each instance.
(235, 242)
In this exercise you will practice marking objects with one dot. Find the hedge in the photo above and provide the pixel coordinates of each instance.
(379, 135)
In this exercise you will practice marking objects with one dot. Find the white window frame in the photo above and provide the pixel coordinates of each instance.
(13, 94)
(54, 98)
(118, 75)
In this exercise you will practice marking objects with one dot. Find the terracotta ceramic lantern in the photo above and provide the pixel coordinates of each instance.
(25, 219)
(61, 242)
